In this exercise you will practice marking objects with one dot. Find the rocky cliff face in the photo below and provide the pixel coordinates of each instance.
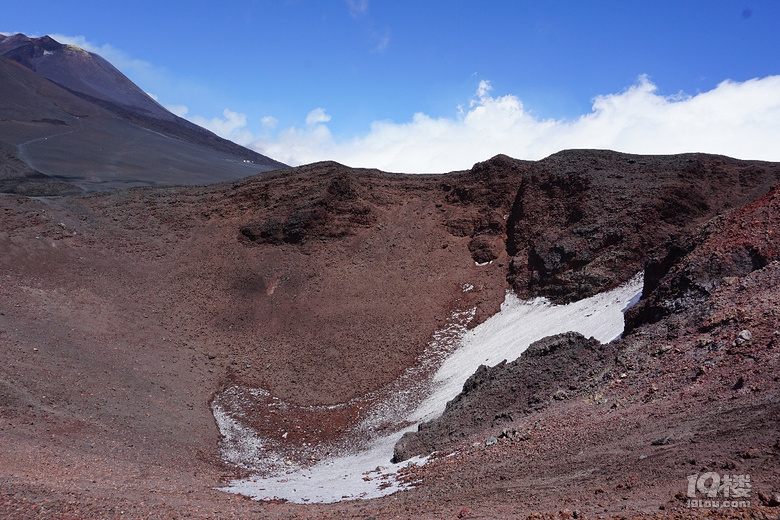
(727, 250)
(706, 325)
(584, 220)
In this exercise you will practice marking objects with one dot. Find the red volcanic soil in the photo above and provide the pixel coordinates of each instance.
(123, 313)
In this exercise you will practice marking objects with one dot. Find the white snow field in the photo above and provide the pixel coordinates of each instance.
(368, 473)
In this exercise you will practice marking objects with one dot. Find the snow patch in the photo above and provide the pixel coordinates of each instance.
(507, 334)
(420, 394)
(240, 444)
(362, 475)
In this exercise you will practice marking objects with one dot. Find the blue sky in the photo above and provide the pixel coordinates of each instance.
(435, 86)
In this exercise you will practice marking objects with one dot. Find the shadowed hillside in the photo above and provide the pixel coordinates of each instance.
(70, 116)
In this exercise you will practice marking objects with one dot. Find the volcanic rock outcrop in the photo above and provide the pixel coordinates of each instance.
(707, 321)
(550, 369)
(585, 220)
(686, 273)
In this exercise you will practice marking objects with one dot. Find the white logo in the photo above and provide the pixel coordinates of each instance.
(734, 490)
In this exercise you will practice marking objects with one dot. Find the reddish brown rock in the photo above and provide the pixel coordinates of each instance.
(122, 313)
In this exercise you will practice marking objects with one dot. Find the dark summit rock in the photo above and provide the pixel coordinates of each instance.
(485, 248)
(687, 270)
(269, 231)
(583, 220)
(296, 226)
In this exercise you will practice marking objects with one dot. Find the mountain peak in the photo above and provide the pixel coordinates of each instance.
(64, 99)
(26, 50)
(80, 71)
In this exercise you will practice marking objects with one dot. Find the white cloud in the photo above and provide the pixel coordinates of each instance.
(317, 116)
(383, 40)
(357, 8)
(179, 110)
(269, 122)
(231, 126)
(295, 146)
(740, 119)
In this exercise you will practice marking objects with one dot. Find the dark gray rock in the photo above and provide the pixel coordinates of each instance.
(510, 390)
